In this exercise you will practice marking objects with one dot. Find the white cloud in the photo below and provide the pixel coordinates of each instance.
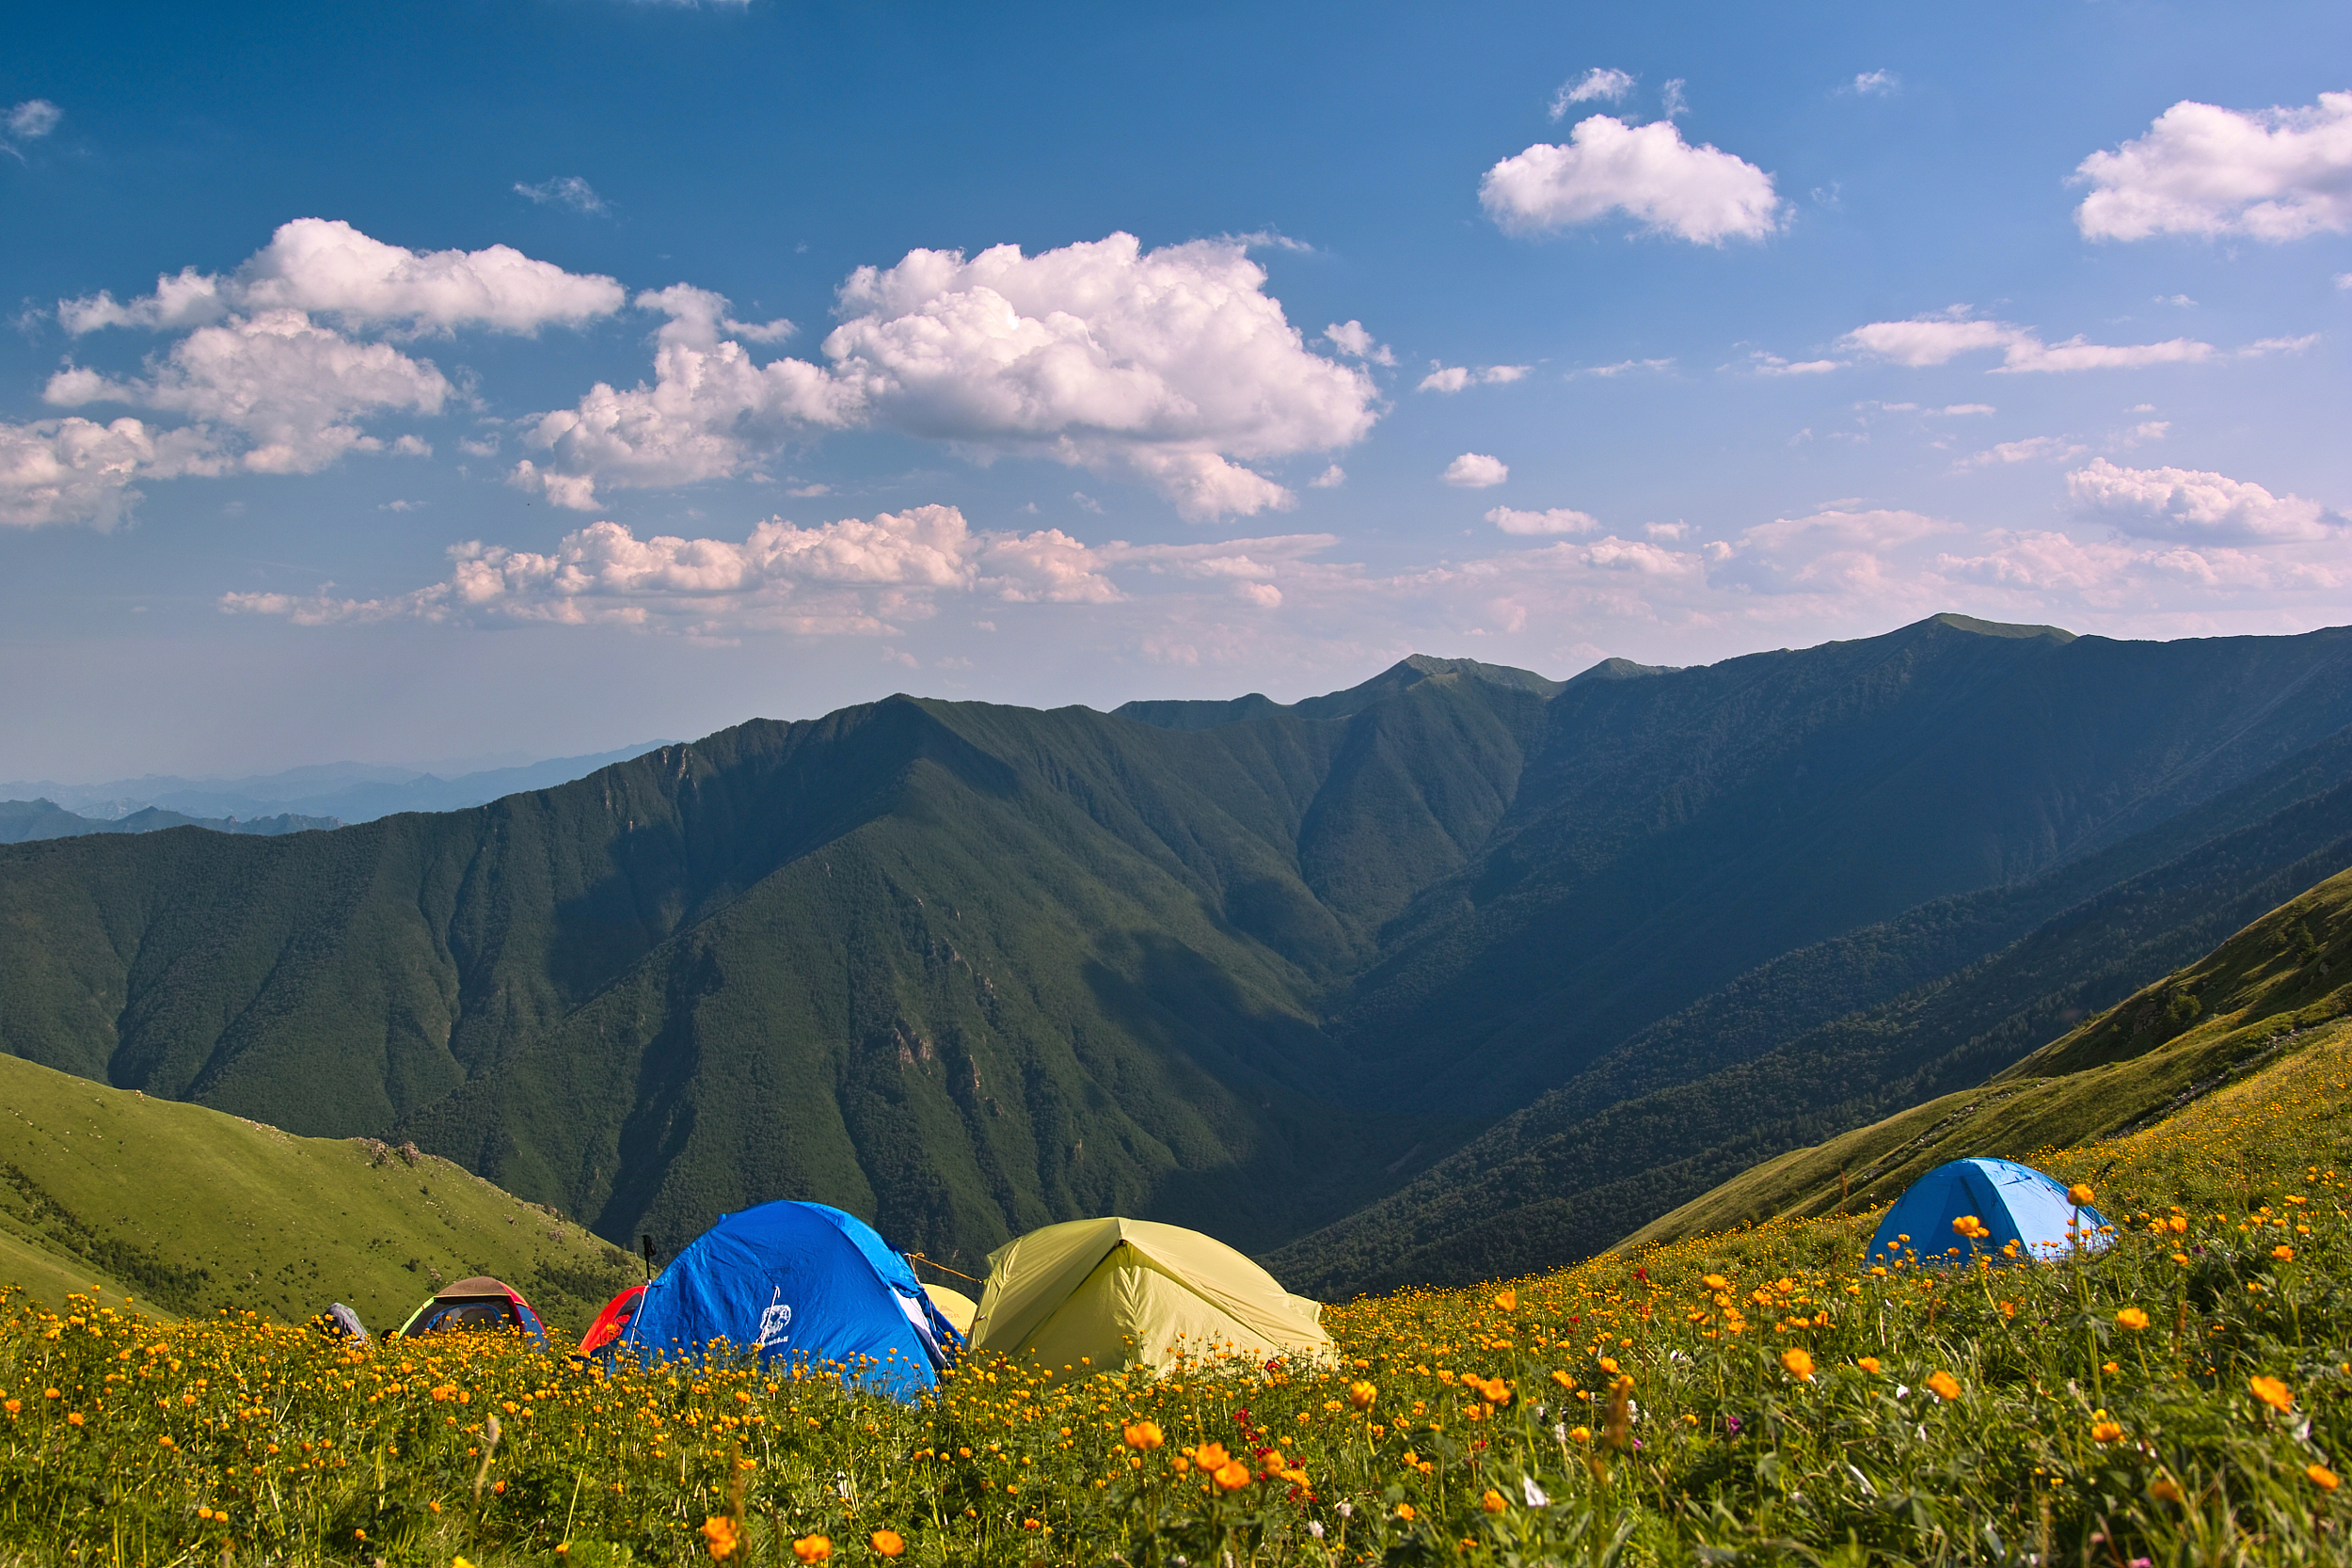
(1614, 554)
(1648, 172)
(1558, 519)
(1940, 338)
(1330, 479)
(75, 471)
(2262, 346)
(2107, 575)
(568, 190)
(189, 299)
(1876, 84)
(33, 119)
(1874, 529)
(1475, 471)
(1622, 367)
(1352, 340)
(1773, 364)
(2194, 505)
(2344, 280)
(290, 387)
(1605, 84)
(2273, 174)
(1453, 378)
(1167, 365)
(1671, 533)
(1671, 100)
(2026, 450)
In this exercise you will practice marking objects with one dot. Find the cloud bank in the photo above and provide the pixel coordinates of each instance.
(2272, 175)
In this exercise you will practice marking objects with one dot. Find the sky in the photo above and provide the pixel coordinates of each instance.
(528, 377)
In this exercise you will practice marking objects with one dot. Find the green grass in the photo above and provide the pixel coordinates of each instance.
(190, 1211)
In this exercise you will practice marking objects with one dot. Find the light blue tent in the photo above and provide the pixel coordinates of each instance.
(798, 1283)
(2014, 1203)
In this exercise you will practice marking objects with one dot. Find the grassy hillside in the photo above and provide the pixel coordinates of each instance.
(2282, 987)
(963, 969)
(190, 1211)
(1754, 1396)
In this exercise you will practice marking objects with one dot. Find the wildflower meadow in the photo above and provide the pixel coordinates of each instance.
(2183, 1395)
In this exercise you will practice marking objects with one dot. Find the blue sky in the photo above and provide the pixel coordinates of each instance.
(516, 387)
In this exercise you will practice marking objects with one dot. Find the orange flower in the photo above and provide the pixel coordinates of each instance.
(1565, 1381)
(722, 1535)
(1946, 1385)
(2079, 1194)
(73, 1418)
(1361, 1394)
(2322, 1477)
(1144, 1435)
(1716, 1282)
(1210, 1456)
(1231, 1476)
(2272, 1392)
(1798, 1362)
(1580, 1434)
(2165, 1489)
(1971, 1228)
(1405, 1512)
(1492, 1502)
(2131, 1318)
(1507, 1300)
(813, 1548)
(2284, 1253)
(1870, 1364)
(887, 1543)
(2106, 1431)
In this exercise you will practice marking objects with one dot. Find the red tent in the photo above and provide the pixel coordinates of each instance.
(609, 1321)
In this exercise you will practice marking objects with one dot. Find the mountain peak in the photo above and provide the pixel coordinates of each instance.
(1997, 628)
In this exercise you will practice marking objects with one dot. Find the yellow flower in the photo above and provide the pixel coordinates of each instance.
(2079, 1194)
(1716, 1282)
(2272, 1392)
(1507, 1300)
(1870, 1364)
(1971, 1228)
(720, 1533)
(1492, 1502)
(1946, 1385)
(1565, 1381)
(1144, 1435)
(2131, 1318)
(1361, 1394)
(1798, 1362)
(1209, 1456)
(887, 1543)
(2165, 1489)
(813, 1548)
(2322, 1477)
(2106, 1431)
(1231, 1476)
(2284, 1253)
(1405, 1512)
(1580, 1434)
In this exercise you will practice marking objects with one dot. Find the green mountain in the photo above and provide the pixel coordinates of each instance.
(1416, 980)
(2279, 987)
(188, 1210)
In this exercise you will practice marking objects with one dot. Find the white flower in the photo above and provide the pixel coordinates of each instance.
(1535, 1496)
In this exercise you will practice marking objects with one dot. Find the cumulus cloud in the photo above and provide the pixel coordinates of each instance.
(1330, 479)
(1938, 339)
(2273, 174)
(1167, 365)
(1453, 378)
(288, 387)
(1558, 519)
(1648, 172)
(2194, 505)
(77, 470)
(328, 267)
(1475, 471)
(1353, 340)
(1876, 84)
(568, 190)
(1604, 83)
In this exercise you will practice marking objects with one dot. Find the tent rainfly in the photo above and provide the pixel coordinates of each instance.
(1133, 1292)
(954, 1306)
(2008, 1203)
(609, 1321)
(800, 1282)
(479, 1302)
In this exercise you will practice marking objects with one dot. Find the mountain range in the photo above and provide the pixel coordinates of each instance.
(1456, 972)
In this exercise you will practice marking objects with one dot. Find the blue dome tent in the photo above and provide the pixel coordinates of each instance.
(802, 1283)
(2010, 1201)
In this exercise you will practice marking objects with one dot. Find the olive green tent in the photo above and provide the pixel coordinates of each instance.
(1122, 1293)
(954, 1306)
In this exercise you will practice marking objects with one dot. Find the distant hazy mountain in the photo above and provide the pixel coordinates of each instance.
(1459, 971)
(346, 791)
(21, 821)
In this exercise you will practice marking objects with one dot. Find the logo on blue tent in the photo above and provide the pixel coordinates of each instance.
(773, 1321)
